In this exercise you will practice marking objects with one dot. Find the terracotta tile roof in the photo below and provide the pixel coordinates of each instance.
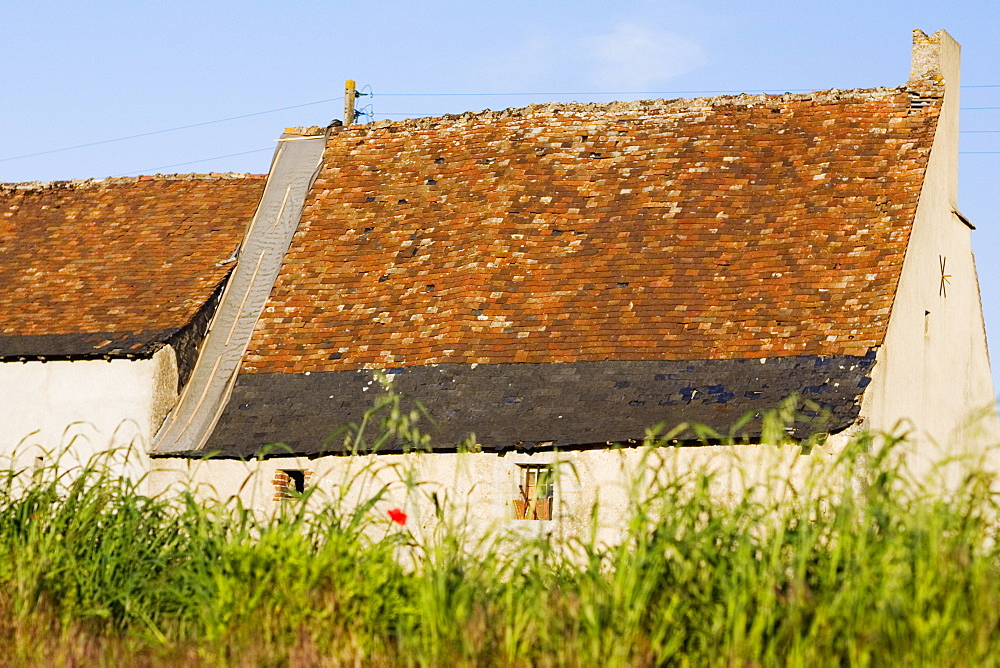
(92, 266)
(721, 228)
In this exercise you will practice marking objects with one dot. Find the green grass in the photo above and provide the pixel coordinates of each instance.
(882, 572)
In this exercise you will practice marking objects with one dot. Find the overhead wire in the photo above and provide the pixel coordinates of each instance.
(194, 162)
(157, 132)
(417, 114)
(617, 92)
(640, 92)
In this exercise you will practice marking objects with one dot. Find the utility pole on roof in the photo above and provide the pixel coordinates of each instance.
(350, 94)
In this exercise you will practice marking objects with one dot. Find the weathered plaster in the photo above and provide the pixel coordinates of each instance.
(482, 486)
(932, 376)
(74, 410)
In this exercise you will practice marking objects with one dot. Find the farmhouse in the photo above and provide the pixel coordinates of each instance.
(108, 288)
(545, 282)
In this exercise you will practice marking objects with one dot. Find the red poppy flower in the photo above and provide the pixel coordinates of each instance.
(397, 516)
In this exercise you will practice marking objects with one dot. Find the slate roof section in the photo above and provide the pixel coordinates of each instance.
(710, 229)
(114, 267)
(525, 406)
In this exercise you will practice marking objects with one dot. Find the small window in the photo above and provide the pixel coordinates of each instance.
(535, 492)
(288, 483)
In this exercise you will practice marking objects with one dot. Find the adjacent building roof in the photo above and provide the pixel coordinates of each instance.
(113, 267)
(570, 273)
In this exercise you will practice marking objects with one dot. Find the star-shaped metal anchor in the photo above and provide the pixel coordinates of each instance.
(943, 290)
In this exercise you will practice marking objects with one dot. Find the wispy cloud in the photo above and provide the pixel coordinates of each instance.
(635, 57)
(628, 57)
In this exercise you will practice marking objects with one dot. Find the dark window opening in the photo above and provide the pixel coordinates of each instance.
(288, 483)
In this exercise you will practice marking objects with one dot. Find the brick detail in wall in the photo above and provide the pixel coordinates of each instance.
(285, 484)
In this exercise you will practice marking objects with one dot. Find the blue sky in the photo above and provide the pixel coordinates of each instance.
(82, 72)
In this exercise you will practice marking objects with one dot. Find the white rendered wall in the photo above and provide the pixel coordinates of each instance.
(481, 487)
(71, 411)
(932, 376)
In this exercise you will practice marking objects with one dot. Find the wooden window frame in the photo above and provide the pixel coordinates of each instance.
(536, 492)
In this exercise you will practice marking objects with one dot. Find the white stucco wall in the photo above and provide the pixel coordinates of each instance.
(71, 411)
(482, 486)
(932, 375)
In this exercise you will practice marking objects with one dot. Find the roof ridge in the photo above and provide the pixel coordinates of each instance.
(645, 106)
(113, 180)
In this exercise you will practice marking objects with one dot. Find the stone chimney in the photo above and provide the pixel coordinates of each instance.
(934, 59)
(934, 71)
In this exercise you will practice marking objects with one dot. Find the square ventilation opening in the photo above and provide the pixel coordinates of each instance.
(289, 483)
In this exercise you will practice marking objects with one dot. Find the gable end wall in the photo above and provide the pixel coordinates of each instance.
(932, 376)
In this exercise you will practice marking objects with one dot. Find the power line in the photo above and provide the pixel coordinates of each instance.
(418, 114)
(422, 113)
(407, 113)
(980, 152)
(194, 162)
(616, 92)
(157, 132)
(630, 92)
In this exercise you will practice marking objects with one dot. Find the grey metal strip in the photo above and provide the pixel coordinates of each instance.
(296, 164)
